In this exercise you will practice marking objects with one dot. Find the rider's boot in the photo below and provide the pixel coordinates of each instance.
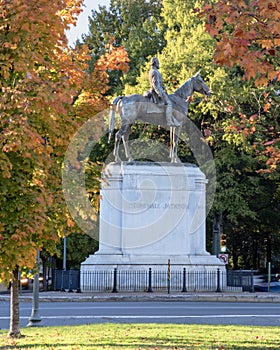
(170, 120)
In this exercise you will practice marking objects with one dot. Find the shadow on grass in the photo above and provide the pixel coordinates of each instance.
(143, 337)
(159, 344)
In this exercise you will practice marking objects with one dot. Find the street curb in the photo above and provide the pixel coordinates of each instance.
(115, 297)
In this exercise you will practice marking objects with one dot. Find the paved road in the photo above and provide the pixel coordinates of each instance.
(70, 313)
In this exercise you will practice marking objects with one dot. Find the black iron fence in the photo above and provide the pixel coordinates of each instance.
(153, 280)
(67, 280)
(243, 278)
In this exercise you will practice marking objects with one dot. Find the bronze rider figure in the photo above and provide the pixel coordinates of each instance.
(157, 86)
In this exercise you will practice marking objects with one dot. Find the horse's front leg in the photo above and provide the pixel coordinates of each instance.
(174, 144)
(125, 138)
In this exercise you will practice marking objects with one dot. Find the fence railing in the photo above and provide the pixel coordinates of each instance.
(153, 280)
(243, 278)
(67, 280)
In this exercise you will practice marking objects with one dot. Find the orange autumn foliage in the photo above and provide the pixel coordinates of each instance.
(40, 78)
(39, 75)
(96, 84)
(247, 34)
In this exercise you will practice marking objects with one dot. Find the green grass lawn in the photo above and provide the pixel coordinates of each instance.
(144, 336)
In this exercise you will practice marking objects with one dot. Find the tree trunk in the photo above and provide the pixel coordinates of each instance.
(14, 307)
(217, 232)
(235, 265)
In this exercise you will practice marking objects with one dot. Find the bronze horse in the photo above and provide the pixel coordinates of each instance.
(138, 107)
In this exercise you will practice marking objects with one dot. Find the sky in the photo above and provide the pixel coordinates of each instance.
(82, 25)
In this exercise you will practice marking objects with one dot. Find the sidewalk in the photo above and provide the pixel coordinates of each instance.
(144, 296)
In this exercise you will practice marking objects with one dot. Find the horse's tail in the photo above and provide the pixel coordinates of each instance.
(113, 108)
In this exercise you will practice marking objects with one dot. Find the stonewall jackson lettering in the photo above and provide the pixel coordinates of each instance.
(156, 205)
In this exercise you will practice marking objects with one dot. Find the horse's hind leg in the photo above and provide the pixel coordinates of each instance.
(172, 144)
(118, 138)
(125, 138)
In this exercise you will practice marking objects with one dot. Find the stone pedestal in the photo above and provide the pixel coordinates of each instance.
(151, 213)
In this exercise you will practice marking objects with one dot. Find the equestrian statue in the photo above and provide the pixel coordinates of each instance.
(155, 107)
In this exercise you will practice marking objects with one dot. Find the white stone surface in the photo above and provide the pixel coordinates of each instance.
(150, 213)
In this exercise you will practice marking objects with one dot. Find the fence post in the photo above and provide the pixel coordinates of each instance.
(184, 290)
(79, 282)
(70, 282)
(168, 277)
(218, 290)
(115, 281)
(150, 290)
(62, 289)
(269, 276)
(252, 289)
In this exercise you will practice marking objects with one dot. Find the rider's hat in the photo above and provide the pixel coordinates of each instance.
(154, 61)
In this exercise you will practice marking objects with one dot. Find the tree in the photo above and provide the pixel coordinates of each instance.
(239, 181)
(93, 96)
(38, 76)
(247, 36)
(253, 187)
(248, 204)
(45, 86)
(131, 24)
(78, 248)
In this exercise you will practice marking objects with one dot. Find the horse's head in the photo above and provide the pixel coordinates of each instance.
(194, 83)
(200, 86)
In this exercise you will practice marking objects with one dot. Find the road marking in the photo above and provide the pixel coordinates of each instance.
(77, 307)
(143, 317)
